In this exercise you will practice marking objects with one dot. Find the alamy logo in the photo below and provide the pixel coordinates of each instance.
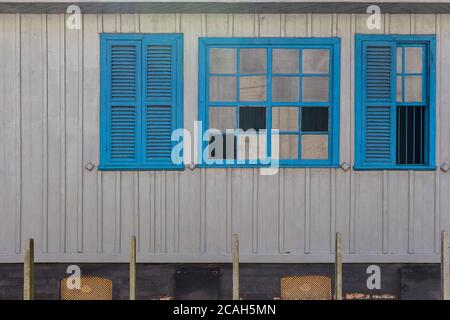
(234, 147)
(74, 280)
(374, 280)
(374, 20)
(73, 21)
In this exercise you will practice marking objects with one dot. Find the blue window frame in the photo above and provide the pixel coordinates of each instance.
(395, 102)
(141, 100)
(287, 84)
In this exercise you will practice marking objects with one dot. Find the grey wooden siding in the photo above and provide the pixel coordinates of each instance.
(49, 130)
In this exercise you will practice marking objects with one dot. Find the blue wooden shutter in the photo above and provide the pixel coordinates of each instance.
(378, 78)
(123, 101)
(160, 92)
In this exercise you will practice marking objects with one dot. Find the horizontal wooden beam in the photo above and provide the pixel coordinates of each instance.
(343, 6)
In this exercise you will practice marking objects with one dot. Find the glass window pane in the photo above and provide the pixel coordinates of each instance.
(285, 89)
(315, 89)
(314, 146)
(222, 88)
(252, 146)
(252, 118)
(285, 118)
(222, 118)
(413, 57)
(399, 60)
(411, 135)
(315, 60)
(288, 146)
(253, 61)
(285, 61)
(413, 88)
(222, 60)
(222, 146)
(252, 88)
(399, 89)
(315, 119)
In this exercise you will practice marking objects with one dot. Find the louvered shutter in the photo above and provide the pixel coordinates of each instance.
(123, 78)
(159, 99)
(377, 105)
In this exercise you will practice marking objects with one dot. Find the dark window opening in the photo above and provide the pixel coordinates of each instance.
(410, 135)
(252, 118)
(314, 119)
(228, 149)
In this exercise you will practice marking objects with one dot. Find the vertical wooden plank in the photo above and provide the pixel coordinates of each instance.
(281, 211)
(99, 176)
(158, 23)
(108, 180)
(193, 26)
(91, 132)
(44, 186)
(426, 215)
(342, 180)
(423, 224)
(244, 25)
(397, 216)
(133, 268)
(63, 186)
(294, 206)
(269, 25)
(320, 207)
(55, 68)
(28, 271)
(333, 172)
(235, 267)
(73, 136)
(266, 204)
(215, 190)
(338, 267)
(443, 110)
(217, 25)
(369, 225)
(80, 127)
(294, 196)
(10, 119)
(217, 187)
(368, 188)
(353, 176)
(296, 25)
(321, 24)
(32, 73)
(320, 217)
(400, 23)
(129, 23)
(18, 126)
(241, 180)
(145, 203)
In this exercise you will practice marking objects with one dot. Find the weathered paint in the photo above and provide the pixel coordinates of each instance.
(49, 129)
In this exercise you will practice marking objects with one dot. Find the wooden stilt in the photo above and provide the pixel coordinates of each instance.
(133, 268)
(338, 267)
(28, 271)
(445, 266)
(235, 267)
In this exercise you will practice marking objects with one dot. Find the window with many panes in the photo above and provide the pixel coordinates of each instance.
(395, 81)
(249, 86)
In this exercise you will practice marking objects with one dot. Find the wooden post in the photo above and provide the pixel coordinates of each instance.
(338, 268)
(28, 271)
(235, 267)
(133, 268)
(445, 266)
